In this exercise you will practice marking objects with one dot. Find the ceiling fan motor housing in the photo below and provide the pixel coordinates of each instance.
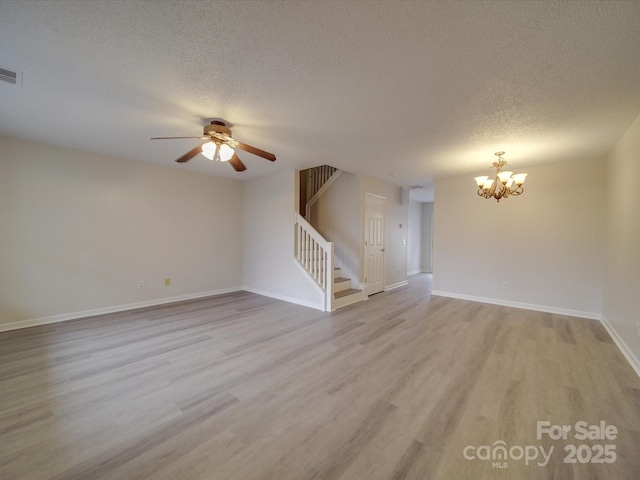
(217, 127)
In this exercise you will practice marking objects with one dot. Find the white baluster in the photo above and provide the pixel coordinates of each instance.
(313, 260)
(304, 251)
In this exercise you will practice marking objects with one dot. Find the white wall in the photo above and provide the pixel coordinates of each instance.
(396, 214)
(268, 224)
(79, 230)
(415, 243)
(336, 216)
(622, 261)
(426, 263)
(419, 249)
(548, 243)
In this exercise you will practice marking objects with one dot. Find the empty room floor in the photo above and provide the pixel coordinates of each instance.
(240, 386)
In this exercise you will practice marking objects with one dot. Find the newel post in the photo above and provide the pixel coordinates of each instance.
(329, 279)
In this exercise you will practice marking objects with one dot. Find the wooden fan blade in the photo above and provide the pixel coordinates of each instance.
(237, 164)
(190, 154)
(256, 151)
(173, 138)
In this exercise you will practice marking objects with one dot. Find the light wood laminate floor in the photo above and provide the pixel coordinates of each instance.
(241, 386)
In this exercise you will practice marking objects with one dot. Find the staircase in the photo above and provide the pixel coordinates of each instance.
(343, 294)
(315, 255)
(312, 251)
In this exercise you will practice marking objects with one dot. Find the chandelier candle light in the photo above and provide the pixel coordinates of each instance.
(505, 183)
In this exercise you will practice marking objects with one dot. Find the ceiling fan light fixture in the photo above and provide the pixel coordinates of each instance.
(226, 152)
(209, 150)
(218, 152)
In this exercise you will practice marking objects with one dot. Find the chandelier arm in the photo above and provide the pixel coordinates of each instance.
(494, 186)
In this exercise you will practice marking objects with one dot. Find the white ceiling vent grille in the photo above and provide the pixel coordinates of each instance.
(9, 76)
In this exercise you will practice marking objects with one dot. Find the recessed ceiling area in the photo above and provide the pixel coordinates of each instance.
(424, 89)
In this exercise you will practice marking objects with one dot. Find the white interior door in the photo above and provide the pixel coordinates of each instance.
(374, 243)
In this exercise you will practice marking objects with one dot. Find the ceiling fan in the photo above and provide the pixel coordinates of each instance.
(220, 146)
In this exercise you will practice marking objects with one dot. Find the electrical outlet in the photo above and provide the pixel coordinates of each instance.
(167, 282)
(505, 284)
(140, 284)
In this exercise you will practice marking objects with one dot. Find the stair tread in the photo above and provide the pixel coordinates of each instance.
(344, 293)
(341, 279)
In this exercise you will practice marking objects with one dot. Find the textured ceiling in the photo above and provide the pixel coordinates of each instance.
(420, 89)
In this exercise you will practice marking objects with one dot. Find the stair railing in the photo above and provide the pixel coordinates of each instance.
(315, 255)
(319, 180)
(318, 176)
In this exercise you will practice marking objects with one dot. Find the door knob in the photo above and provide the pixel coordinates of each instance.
(382, 249)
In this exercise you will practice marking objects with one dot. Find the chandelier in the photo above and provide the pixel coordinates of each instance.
(505, 183)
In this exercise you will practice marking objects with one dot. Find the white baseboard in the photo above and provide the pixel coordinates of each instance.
(526, 306)
(624, 348)
(118, 308)
(415, 272)
(396, 285)
(277, 296)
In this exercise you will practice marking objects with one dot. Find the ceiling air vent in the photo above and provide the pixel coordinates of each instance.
(9, 76)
